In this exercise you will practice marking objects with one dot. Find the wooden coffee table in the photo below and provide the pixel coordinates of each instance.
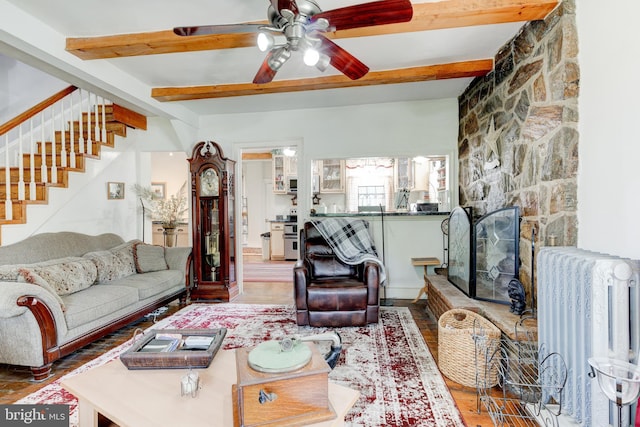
(140, 398)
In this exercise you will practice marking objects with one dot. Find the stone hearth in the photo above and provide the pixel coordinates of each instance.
(443, 296)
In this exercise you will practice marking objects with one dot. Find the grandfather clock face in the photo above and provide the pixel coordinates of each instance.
(209, 183)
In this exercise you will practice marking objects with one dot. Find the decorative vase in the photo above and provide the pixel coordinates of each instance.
(170, 235)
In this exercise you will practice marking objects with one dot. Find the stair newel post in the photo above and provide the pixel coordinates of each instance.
(54, 166)
(63, 136)
(21, 195)
(81, 136)
(43, 146)
(104, 120)
(89, 142)
(32, 166)
(8, 205)
(96, 135)
(72, 143)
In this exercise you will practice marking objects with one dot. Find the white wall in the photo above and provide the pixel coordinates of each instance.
(395, 129)
(22, 87)
(608, 179)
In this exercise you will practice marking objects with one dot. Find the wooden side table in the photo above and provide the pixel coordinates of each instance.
(425, 262)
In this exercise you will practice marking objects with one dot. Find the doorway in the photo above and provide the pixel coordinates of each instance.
(266, 201)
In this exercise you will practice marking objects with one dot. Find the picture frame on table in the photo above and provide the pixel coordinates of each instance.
(159, 190)
(115, 190)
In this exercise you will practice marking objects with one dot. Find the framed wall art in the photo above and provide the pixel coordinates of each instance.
(159, 190)
(115, 190)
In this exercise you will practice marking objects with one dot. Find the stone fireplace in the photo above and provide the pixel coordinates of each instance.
(518, 138)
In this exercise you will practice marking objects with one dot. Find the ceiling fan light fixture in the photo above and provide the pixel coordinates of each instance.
(265, 41)
(323, 62)
(311, 57)
(278, 57)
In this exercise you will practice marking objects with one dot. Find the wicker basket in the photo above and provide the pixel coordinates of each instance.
(459, 358)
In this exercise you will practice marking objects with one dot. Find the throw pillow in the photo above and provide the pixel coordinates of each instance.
(149, 258)
(66, 275)
(114, 263)
(28, 276)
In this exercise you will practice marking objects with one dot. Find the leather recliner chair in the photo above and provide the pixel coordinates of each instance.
(329, 292)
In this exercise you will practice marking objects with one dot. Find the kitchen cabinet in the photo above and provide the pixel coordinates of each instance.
(182, 235)
(332, 176)
(276, 251)
(213, 210)
(278, 173)
(404, 173)
(283, 168)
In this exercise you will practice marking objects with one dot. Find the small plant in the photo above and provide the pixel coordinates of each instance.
(168, 211)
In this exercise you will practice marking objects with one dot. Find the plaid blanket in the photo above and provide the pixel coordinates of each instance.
(350, 240)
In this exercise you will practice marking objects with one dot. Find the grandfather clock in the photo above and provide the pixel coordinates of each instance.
(212, 203)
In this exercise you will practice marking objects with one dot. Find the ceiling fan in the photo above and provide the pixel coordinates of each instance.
(300, 24)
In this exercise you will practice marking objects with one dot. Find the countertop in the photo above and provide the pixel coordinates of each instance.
(386, 213)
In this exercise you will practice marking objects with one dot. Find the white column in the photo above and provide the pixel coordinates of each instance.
(89, 130)
(104, 120)
(72, 155)
(81, 136)
(54, 162)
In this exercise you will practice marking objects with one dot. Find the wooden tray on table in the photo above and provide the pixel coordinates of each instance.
(195, 349)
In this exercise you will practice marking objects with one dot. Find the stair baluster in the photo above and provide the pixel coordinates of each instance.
(8, 205)
(72, 158)
(44, 176)
(54, 162)
(63, 137)
(89, 142)
(104, 120)
(32, 166)
(81, 136)
(21, 195)
(96, 135)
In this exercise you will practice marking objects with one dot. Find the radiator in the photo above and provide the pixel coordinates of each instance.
(585, 310)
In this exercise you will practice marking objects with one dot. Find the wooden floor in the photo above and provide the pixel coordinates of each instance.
(15, 381)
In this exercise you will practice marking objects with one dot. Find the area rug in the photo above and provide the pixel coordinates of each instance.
(389, 363)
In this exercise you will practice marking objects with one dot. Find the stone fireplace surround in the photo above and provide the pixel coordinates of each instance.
(518, 137)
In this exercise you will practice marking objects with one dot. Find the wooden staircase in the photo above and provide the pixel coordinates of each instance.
(116, 119)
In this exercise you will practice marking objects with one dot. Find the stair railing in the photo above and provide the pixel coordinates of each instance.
(55, 114)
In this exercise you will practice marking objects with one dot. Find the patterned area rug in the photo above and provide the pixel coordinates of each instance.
(389, 363)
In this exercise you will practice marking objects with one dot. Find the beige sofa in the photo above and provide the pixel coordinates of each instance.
(61, 291)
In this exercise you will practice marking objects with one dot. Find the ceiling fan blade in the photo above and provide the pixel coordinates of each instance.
(379, 12)
(217, 29)
(342, 60)
(265, 74)
(285, 4)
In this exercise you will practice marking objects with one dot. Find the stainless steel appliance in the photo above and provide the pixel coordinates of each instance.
(291, 241)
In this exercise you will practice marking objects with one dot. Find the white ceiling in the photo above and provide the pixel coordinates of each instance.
(80, 18)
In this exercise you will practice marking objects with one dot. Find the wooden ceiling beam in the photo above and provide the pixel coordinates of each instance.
(426, 16)
(405, 75)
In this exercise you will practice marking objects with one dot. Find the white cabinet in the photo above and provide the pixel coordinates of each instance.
(283, 168)
(332, 176)
(279, 177)
(181, 235)
(277, 241)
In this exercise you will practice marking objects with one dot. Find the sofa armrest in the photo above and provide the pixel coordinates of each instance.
(178, 258)
(13, 291)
